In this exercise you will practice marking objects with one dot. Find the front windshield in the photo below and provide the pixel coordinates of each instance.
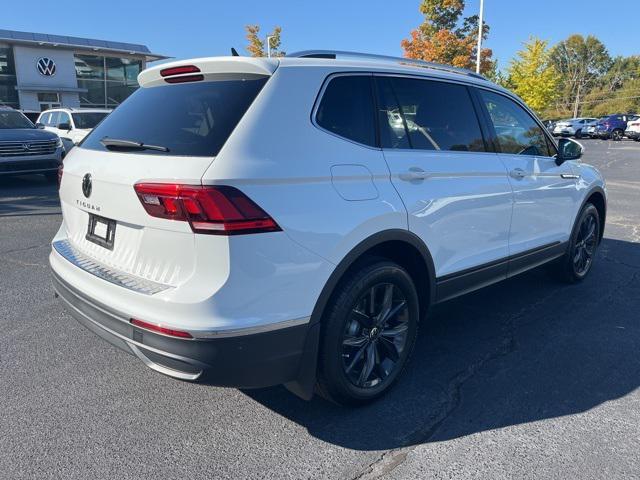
(13, 119)
(88, 119)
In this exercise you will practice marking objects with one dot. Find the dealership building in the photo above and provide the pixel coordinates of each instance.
(40, 71)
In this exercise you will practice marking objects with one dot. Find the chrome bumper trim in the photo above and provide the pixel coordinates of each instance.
(161, 368)
(237, 332)
(130, 282)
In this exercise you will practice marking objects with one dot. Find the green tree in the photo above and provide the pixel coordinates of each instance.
(621, 71)
(532, 75)
(445, 37)
(257, 47)
(618, 90)
(581, 62)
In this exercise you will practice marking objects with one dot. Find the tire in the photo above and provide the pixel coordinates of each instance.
(362, 354)
(616, 135)
(576, 264)
(578, 134)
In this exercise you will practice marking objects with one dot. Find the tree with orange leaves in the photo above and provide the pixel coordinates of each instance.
(442, 38)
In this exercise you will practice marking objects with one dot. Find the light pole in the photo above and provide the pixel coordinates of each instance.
(479, 36)
(269, 45)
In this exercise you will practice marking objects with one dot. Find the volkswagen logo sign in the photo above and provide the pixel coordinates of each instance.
(46, 66)
(86, 185)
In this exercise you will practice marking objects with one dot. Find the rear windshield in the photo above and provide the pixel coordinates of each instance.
(88, 119)
(12, 119)
(192, 119)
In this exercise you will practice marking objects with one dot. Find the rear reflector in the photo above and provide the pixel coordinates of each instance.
(216, 210)
(179, 70)
(158, 329)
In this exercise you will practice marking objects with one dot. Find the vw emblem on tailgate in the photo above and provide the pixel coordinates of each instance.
(46, 66)
(86, 185)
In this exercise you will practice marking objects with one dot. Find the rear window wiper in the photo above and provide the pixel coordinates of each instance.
(116, 143)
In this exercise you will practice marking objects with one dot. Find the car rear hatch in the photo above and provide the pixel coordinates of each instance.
(131, 192)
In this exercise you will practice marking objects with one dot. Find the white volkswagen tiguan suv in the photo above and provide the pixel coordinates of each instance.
(253, 221)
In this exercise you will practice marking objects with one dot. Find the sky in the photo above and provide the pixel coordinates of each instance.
(189, 28)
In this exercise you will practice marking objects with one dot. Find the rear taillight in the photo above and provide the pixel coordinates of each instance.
(160, 329)
(60, 172)
(217, 210)
(167, 72)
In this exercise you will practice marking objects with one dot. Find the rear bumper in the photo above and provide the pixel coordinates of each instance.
(245, 360)
(632, 134)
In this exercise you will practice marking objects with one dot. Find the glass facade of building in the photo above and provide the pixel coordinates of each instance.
(8, 92)
(108, 80)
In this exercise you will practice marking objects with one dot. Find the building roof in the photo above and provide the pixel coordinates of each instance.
(78, 43)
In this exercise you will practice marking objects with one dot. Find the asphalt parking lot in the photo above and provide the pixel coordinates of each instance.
(526, 379)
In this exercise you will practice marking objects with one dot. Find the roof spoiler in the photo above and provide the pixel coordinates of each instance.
(208, 68)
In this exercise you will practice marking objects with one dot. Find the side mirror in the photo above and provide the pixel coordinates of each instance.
(64, 126)
(39, 125)
(568, 150)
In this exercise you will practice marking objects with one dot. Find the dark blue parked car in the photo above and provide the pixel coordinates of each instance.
(613, 126)
(25, 148)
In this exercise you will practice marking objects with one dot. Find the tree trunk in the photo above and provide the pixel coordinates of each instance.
(576, 105)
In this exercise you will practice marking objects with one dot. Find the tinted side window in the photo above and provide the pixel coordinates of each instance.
(393, 131)
(346, 109)
(438, 115)
(516, 131)
(44, 118)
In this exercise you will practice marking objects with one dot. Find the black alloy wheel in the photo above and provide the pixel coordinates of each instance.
(368, 332)
(577, 262)
(585, 244)
(375, 335)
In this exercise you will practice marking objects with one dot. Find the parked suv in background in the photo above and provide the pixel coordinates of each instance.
(199, 238)
(573, 127)
(26, 149)
(633, 128)
(612, 126)
(71, 124)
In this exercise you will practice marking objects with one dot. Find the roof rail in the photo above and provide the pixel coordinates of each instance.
(334, 54)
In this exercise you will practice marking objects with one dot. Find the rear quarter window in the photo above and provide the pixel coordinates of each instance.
(189, 119)
(346, 108)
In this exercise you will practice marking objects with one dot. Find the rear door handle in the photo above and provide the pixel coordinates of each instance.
(414, 173)
(518, 173)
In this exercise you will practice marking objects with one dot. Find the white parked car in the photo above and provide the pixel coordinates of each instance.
(574, 127)
(71, 124)
(633, 128)
(210, 242)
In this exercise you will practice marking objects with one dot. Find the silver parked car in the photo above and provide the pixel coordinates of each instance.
(573, 127)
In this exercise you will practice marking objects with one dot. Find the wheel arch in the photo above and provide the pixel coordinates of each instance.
(400, 246)
(597, 197)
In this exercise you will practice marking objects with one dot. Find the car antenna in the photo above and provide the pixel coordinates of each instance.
(234, 52)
